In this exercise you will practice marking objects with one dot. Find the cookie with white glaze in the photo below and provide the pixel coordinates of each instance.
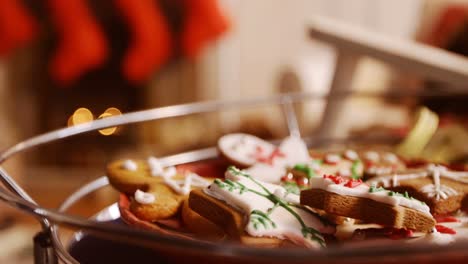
(354, 199)
(253, 211)
(244, 150)
(261, 159)
(442, 189)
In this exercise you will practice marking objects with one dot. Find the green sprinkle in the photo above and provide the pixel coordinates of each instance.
(373, 189)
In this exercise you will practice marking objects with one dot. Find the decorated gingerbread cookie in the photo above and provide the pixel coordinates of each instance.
(254, 211)
(442, 189)
(352, 198)
(380, 162)
(156, 191)
(289, 164)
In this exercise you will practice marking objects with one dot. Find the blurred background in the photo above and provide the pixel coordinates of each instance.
(67, 62)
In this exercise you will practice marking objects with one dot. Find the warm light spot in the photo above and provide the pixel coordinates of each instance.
(80, 116)
(112, 111)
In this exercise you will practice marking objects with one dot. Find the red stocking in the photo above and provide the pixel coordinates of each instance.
(16, 26)
(82, 43)
(151, 44)
(204, 23)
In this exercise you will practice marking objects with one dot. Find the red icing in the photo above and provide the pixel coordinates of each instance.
(446, 219)
(445, 230)
(288, 177)
(335, 178)
(392, 233)
(302, 181)
(270, 158)
(399, 233)
(368, 164)
(352, 183)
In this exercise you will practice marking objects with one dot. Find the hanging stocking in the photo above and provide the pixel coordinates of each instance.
(151, 38)
(17, 27)
(204, 22)
(82, 45)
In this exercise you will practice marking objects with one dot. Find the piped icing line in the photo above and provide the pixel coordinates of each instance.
(167, 174)
(144, 197)
(342, 186)
(435, 190)
(129, 165)
(272, 210)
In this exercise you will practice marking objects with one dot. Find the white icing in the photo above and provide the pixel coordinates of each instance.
(332, 158)
(294, 151)
(314, 164)
(440, 192)
(287, 226)
(243, 148)
(156, 168)
(362, 191)
(130, 165)
(345, 172)
(377, 170)
(434, 238)
(351, 155)
(372, 156)
(436, 190)
(390, 158)
(144, 197)
(386, 180)
(167, 174)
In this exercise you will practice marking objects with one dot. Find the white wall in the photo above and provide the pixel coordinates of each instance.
(269, 35)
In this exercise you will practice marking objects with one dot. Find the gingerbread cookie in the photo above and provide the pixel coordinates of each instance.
(380, 162)
(352, 198)
(357, 164)
(249, 209)
(156, 191)
(442, 189)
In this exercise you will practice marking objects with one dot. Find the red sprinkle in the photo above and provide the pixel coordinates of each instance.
(335, 178)
(446, 219)
(352, 183)
(445, 230)
(396, 234)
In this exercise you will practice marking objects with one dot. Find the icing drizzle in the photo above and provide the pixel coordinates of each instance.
(272, 210)
(181, 186)
(435, 190)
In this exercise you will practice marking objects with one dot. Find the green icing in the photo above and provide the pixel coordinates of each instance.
(259, 218)
(305, 169)
(354, 169)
